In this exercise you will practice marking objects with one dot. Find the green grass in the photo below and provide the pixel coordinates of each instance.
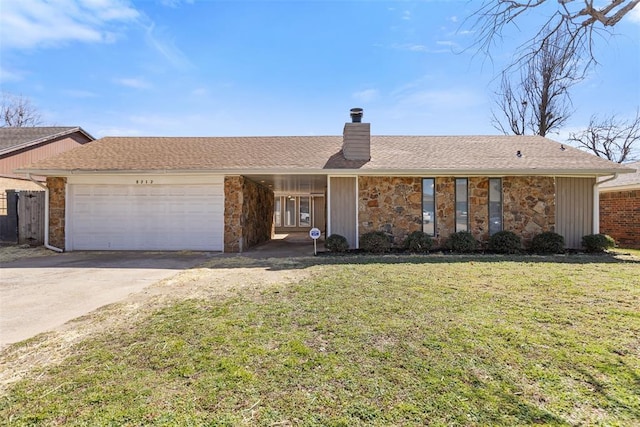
(415, 341)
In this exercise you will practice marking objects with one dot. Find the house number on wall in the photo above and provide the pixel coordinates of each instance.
(144, 181)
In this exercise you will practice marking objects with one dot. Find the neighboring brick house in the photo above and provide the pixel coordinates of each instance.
(230, 193)
(620, 208)
(20, 146)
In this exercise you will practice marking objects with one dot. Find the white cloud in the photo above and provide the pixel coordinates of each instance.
(175, 3)
(634, 15)
(133, 82)
(7, 75)
(157, 39)
(33, 23)
(414, 47)
(200, 91)
(406, 15)
(423, 94)
(366, 95)
(78, 93)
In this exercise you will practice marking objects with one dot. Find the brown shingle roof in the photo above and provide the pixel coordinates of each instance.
(471, 154)
(19, 137)
(626, 180)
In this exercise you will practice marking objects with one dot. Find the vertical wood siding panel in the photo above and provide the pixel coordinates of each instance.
(343, 208)
(31, 217)
(574, 209)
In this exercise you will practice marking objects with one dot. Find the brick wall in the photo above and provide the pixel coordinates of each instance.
(57, 196)
(248, 213)
(620, 217)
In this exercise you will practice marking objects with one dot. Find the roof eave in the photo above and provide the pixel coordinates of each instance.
(627, 187)
(45, 139)
(315, 171)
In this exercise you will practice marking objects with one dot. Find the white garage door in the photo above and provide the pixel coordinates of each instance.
(145, 217)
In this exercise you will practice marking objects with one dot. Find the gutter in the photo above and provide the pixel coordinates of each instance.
(596, 202)
(46, 214)
(583, 173)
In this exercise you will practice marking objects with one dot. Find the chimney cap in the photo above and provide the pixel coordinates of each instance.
(356, 115)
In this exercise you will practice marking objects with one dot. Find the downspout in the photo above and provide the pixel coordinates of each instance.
(596, 202)
(46, 214)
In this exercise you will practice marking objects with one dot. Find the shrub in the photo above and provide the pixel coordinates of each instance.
(375, 241)
(336, 243)
(597, 242)
(418, 241)
(462, 241)
(548, 243)
(505, 242)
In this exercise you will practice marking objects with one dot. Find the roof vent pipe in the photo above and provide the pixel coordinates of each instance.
(356, 115)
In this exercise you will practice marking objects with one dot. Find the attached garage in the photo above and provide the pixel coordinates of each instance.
(153, 213)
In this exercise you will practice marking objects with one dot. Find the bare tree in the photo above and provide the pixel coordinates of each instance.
(611, 138)
(540, 102)
(18, 111)
(578, 20)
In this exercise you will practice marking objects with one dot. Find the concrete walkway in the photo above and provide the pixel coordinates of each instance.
(286, 246)
(40, 294)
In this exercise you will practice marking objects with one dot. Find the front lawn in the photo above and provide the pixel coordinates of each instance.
(394, 341)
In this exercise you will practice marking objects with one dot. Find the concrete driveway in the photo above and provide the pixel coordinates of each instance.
(40, 294)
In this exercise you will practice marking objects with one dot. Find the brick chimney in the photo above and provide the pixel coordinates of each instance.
(356, 141)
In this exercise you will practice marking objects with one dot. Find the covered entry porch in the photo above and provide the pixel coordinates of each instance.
(303, 202)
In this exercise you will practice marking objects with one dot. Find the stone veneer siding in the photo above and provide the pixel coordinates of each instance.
(394, 205)
(620, 217)
(528, 205)
(248, 213)
(390, 204)
(479, 208)
(57, 196)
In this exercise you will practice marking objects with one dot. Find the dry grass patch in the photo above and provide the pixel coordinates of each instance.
(16, 252)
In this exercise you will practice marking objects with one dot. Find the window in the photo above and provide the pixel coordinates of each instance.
(290, 212)
(429, 206)
(277, 212)
(462, 205)
(495, 205)
(305, 212)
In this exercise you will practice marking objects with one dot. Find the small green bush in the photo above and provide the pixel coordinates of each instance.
(418, 241)
(505, 242)
(336, 243)
(375, 242)
(548, 243)
(462, 241)
(597, 242)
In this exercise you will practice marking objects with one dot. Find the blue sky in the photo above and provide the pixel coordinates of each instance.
(267, 67)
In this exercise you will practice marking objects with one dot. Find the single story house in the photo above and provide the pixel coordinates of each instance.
(21, 146)
(620, 208)
(230, 193)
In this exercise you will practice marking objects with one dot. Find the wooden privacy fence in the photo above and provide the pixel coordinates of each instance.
(22, 219)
